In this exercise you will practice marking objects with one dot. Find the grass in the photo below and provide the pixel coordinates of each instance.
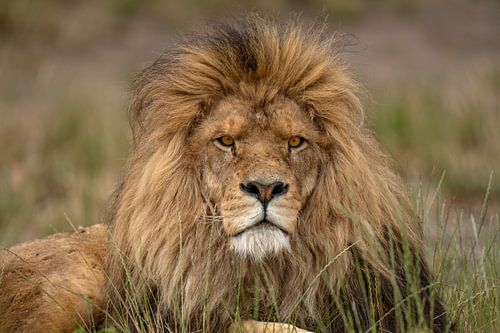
(62, 166)
(427, 134)
(464, 255)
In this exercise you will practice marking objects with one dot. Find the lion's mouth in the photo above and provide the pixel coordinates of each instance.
(262, 224)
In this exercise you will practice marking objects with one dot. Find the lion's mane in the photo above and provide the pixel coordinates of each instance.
(172, 256)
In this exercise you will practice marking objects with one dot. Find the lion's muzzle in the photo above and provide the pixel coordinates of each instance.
(266, 232)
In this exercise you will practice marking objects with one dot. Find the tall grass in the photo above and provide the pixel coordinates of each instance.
(462, 251)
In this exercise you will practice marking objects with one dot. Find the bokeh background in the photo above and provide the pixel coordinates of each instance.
(430, 72)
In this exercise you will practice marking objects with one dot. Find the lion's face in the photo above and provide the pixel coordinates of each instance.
(258, 167)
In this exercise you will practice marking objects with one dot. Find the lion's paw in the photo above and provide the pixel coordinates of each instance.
(252, 326)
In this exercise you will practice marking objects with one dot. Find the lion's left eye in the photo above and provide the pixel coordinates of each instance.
(296, 142)
(225, 142)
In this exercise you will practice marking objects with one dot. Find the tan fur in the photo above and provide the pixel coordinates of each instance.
(170, 231)
(55, 283)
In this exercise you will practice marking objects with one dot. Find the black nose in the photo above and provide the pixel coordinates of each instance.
(264, 192)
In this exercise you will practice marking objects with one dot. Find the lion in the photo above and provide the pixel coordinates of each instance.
(255, 194)
(256, 191)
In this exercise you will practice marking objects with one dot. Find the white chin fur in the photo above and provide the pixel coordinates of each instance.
(258, 243)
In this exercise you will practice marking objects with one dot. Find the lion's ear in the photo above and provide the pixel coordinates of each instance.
(164, 100)
(145, 100)
(150, 96)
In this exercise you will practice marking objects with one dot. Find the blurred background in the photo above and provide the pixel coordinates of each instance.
(430, 71)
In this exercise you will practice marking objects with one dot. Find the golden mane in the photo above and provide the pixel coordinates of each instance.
(173, 257)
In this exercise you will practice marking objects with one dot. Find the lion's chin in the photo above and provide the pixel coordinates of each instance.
(260, 242)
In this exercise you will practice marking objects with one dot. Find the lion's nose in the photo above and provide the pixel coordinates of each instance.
(264, 192)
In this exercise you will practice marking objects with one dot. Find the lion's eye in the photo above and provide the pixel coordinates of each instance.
(296, 142)
(225, 142)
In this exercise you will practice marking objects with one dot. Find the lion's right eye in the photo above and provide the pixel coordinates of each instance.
(225, 142)
(296, 143)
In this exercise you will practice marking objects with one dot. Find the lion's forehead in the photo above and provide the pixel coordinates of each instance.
(239, 118)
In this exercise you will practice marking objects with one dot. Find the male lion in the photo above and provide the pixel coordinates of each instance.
(254, 191)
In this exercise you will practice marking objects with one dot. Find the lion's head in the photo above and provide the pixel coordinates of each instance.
(252, 167)
(258, 165)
